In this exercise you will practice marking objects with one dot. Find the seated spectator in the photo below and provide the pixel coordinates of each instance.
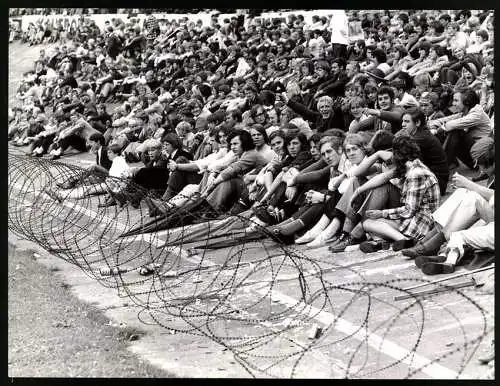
(456, 218)
(464, 128)
(406, 224)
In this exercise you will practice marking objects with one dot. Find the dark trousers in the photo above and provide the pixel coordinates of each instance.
(44, 142)
(457, 145)
(225, 194)
(178, 180)
(310, 214)
(75, 141)
(152, 179)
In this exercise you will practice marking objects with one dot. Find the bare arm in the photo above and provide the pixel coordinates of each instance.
(377, 181)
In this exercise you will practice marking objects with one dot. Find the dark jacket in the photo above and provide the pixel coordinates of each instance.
(181, 153)
(433, 156)
(335, 86)
(104, 161)
(320, 125)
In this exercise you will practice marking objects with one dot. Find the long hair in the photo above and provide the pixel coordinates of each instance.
(261, 130)
(304, 144)
(469, 98)
(404, 149)
(245, 138)
(357, 140)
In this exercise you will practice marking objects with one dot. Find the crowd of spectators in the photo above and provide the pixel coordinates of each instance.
(325, 140)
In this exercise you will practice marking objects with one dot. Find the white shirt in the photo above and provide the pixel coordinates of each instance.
(339, 27)
(119, 167)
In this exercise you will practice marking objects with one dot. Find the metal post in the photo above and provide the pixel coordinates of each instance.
(466, 283)
(451, 277)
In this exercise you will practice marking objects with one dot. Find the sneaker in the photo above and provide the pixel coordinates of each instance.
(340, 245)
(374, 246)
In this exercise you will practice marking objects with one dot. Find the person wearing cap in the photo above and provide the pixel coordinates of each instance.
(463, 129)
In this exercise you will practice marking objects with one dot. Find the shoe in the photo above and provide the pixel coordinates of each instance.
(343, 241)
(438, 268)
(305, 238)
(54, 157)
(417, 250)
(402, 244)
(280, 238)
(321, 240)
(422, 259)
(374, 246)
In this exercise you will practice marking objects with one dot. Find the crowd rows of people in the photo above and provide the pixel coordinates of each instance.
(13, 12)
(318, 139)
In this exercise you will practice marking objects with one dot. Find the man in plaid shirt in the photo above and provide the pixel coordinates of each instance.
(419, 195)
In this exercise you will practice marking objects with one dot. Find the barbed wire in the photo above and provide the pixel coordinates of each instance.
(259, 299)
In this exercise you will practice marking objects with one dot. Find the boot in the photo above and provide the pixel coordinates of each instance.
(325, 236)
(314, 232)
(433, 232)
(428, 247)
(290, 228)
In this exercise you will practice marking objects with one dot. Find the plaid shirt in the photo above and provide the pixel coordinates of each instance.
(420, 198)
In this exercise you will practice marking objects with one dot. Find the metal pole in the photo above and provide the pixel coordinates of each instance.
(451, 277)
(467, 283)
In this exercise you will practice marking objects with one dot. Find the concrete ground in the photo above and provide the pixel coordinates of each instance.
(269, 304)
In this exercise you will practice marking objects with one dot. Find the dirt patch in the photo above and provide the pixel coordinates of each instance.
(52, 334)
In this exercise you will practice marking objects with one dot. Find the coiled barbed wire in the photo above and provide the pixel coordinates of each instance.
(245, 300)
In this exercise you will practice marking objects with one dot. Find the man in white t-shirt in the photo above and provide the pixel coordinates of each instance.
(339, 27)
